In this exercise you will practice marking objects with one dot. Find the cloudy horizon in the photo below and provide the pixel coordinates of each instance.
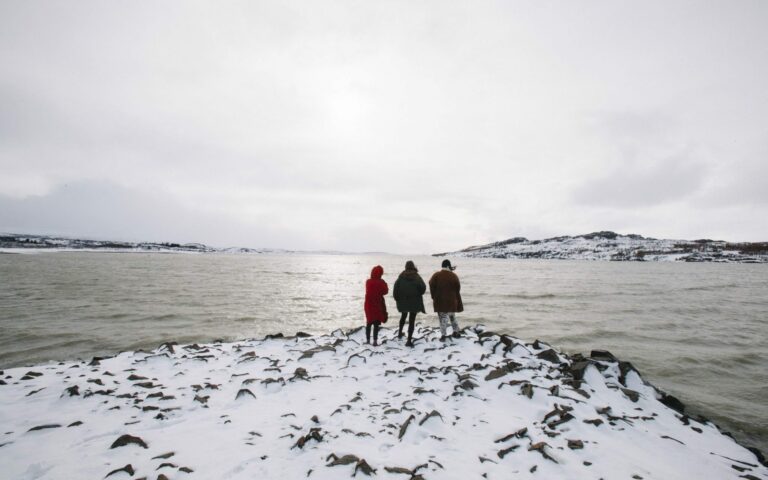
(405, 127)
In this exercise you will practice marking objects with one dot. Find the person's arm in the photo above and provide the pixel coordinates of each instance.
(396, 289)
(422, 286)
(385, 288)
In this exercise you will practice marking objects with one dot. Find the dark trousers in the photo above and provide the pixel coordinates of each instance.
(411, 323)
(375, 326)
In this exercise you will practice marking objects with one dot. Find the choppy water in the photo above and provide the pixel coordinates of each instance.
(698, 331)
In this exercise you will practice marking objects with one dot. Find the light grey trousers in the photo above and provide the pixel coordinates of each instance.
(446, 317)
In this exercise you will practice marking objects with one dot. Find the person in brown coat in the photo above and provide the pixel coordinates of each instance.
(445, 289)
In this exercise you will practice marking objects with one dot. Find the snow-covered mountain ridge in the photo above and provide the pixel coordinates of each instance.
(608, 245)
(21, 243)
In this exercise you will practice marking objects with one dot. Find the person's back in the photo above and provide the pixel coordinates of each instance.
(375, 307)
(445, 289)
(408, 290)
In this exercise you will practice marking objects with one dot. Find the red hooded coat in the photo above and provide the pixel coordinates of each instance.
(375, 289)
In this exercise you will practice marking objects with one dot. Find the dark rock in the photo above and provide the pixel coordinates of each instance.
(274, 336)
(670, 438)
(400, 470)
(34, 392)
(204, 399)
(166, 464)
(631, 394)
(345, 460)
(672, 402)
(162, 477)
(564, 418)
(268, 381)
(185, 469)
(468, 385)
(126, 439)
(501, 371)
(146, 385)
(363, 466)
(135, 377)
(527, 390)
(312, 351)
(300, 374)
(404, 426)
(575, 444)
(127, 469)
(624, 369)
(433, 413)
(759, 455)
(541, 448)
(603, 355)
(358, 356)
(596, 422)
(164, 456)
(75, 424)
(502, 453)
(578, 369)
(95, 361)
(549, 355)
(44, 427)
(314, 434)
(518, 434)
(302, 335)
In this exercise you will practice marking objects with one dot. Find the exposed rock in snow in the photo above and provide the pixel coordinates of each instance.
(481, 406)
(613, 246)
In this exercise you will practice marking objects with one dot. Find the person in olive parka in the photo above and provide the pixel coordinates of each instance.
(408, 290)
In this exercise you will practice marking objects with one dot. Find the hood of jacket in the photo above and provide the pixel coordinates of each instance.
(410, 274)
(377, 271)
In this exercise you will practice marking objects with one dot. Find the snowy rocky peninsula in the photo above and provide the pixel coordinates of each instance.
(613, 246)
(25, 243)
(330, 406)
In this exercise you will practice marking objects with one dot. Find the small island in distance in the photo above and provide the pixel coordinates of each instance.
(607, 245)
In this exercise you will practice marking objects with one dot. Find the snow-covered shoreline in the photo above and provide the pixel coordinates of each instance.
(483, 406)
(611, 246)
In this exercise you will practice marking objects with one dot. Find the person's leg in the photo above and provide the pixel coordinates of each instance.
(443, 317)
(376, 333)
(402, 324)
(411, 326)
(367, 333)
(454, 324)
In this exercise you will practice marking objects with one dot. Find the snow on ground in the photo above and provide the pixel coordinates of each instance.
(482, 406)
(612, 246)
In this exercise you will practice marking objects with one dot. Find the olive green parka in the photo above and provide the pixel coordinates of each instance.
(408, 290)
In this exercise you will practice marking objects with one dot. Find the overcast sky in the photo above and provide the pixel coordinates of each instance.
(408, 127)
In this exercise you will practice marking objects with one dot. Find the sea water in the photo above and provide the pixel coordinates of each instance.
(697, 331)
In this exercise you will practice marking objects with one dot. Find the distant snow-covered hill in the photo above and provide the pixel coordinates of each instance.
(24, 243)
(608, 245)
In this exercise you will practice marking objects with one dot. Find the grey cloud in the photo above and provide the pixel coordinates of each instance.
(104, 210)
(639, 185)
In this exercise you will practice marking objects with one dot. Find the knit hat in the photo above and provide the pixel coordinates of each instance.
(409, 265)
(447, 264)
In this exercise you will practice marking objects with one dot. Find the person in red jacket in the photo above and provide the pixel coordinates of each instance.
(375, 308)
